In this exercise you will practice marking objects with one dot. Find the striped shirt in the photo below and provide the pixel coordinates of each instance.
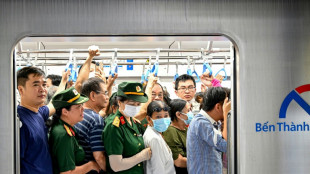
(89, 133)
(204, 146)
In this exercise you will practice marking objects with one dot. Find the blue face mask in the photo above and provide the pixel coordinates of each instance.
(190, 116)
(161, 125)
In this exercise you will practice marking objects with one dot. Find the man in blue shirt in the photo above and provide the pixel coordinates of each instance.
(205, 143)
(34, 149)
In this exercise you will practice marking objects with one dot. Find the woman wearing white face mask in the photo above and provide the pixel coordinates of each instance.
(175, 136)
(161, 161)
(122, 136)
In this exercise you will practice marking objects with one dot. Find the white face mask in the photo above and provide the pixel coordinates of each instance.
(131, 111)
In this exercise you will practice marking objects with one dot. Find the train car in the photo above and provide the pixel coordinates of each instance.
(267, 53)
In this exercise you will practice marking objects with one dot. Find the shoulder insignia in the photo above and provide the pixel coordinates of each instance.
(73, 133)
(116, 121)
(68, 130)
(136, 120)
(123, 120)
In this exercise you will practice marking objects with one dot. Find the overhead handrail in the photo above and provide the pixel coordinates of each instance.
(223, 69)
(195, 73)
(114, 67)
(176, 71)
(205, 65)
(124, 50)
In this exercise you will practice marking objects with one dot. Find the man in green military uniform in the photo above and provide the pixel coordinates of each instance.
(122, 137)
(66, 153)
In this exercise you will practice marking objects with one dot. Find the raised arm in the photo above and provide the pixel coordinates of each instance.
(110, 83)
(84, 72)
(61, 87)
(148, 90)
(226, 109)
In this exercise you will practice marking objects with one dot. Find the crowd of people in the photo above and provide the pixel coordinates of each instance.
(85, 128)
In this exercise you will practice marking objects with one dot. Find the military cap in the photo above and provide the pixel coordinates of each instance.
(68, 97)
(133, 91)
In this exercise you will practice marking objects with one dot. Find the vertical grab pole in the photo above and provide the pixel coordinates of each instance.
(231, 139)
(17, 144)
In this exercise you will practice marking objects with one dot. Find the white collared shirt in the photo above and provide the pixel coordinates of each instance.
(161, 161)
(195, 106)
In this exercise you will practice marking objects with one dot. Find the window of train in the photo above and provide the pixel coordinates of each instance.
(134, 55)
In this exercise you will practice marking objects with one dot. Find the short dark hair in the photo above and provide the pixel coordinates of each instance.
(23, 74)
(155, 104)
(213, 96)
(54, 119)
(176, 105)
(121, 98)
(91, 84)
(56, 79)
(112, 102)
(227, 90)
(183, 78)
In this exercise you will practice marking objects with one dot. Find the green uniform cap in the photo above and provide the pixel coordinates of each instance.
(68, 97)
(133, 91)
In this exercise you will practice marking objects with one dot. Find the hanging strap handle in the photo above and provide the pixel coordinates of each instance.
(189, 71)
(143, 76)
(114, 66)
(205, 65)
(149, 69)
(176, 71)
(195, 73)
(74, 72)
(156, 64)
(69, 66)
(223, 69)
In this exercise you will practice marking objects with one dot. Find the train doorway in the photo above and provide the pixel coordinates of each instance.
(134, 57)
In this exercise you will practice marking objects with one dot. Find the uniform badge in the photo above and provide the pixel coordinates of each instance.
(75, 92)
(123, 120)
(138, 88)
(116, 122)
(72, 131)
(68, 130)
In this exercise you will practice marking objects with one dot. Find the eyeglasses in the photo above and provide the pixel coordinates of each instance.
(190, 88)
(159, 95)
(160, 109)
(104, 93)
